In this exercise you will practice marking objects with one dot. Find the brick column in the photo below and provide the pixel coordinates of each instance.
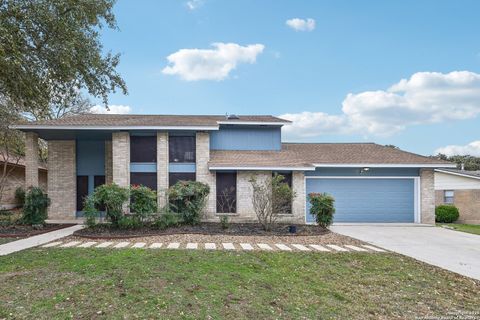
(298, 204)
(62, 179)
(162, 168)
(108, 162)
(203, 174)
(427, 196)
(31, 159)
(121, 158)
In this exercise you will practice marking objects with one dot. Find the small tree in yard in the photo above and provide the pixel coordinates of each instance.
(322, 208)
(271, 197)
(113, 198)
(188, 199)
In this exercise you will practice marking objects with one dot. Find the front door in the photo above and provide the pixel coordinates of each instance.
(82, 191)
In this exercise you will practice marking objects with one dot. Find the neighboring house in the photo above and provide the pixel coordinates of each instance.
(370, 182)
(16, 178)
(460, 188)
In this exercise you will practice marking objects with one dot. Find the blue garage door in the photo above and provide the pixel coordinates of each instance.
(367, 200)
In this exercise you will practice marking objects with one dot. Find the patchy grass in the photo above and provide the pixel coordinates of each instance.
(469, 228)
(135, 283)
(6, 240)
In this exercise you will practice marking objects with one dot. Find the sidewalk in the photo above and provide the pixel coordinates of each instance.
(34, 241)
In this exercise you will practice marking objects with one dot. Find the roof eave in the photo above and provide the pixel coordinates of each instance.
(384, 165)
(458, 174)
(260, 168)
(112, 128)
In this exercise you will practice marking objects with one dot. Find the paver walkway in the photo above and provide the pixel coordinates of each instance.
(38, 240)
(224, 246)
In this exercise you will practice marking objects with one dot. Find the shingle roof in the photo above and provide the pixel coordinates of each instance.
(310, 154)
(132, 120)
(473, 174)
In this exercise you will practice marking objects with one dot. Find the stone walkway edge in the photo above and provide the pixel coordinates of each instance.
(212, 246)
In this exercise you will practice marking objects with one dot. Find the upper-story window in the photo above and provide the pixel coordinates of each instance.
(143, 149)
(181, 149)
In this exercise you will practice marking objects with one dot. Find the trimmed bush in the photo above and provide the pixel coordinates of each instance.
(129, 222)
(20, 196)
(143, 201)
(35, 208)
(112, 197)
(188, 199)
(90, 212)
(167, 219)
(446, 214)
(322, 208)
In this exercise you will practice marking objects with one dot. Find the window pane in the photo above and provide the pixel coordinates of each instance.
(448, 200)
(181, 149)
(147, 179)
(143, 149)
(449, 193)
(226, 192)
(174, 177)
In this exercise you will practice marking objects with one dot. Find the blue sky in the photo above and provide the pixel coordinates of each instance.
(265, 66)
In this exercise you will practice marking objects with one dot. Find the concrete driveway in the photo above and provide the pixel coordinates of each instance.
(452, 250)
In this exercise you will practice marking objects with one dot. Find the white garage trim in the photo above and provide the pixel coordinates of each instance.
(416, 186)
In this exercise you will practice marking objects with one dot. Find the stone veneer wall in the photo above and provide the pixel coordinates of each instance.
(203, 174)
(108, 162)
(31, 159)
(427, 196)
(467, 201)
(121, 158)
(162, 168)
(62, 179)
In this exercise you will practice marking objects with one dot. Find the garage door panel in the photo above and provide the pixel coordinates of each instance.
(367, 200)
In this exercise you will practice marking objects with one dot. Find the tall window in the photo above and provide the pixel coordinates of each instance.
(287, 178)
(448, 196)
(181, 149)
(174, 177)
(143, 149)
(226, 192)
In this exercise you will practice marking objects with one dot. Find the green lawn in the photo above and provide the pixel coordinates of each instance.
(470, 228)
(136, 283)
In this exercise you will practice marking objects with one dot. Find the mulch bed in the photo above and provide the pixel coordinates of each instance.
(206, 228)
(21, 231)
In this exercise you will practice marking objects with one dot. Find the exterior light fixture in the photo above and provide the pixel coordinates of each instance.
(363, 170)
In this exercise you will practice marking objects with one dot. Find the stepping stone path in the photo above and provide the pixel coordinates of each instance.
(213, 246)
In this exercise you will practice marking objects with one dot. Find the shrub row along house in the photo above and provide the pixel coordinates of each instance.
(370, 182)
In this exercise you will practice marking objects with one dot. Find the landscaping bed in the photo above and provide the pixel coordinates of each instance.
(22, 231)
(207, 228)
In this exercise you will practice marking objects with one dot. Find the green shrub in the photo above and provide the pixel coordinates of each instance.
(143, 202)
(225, 221)
(446, 214)
(322, 208)
(35, 208)
(167, 219)
(20, 196)
(90, 212)
(188, 199)
(113, 198)
(129, 222)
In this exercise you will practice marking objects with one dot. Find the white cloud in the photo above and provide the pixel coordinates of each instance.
(472, 149)
(194, 4)
(114, 109)
(427, 97)
(211, 64)
(298, 24)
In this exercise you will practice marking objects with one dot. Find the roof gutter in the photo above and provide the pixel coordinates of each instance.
(457, 174)
(383, 165)
(216, 168)
(254, 123)
(46, 127)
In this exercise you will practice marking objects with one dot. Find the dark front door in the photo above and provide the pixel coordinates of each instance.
(226, 192)
(82, 191)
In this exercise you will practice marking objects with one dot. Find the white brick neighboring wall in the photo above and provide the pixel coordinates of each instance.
(31, 159)
(62, 179)
(162, 168)
(427, 194)
(203, 174)
(121, 158)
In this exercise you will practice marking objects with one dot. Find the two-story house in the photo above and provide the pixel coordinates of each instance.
(370, 182)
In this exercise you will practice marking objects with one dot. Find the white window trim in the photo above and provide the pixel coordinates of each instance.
(417, 215)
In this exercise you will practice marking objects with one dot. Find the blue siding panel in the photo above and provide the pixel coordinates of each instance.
(90, 157)
(373, 172)
(367, 200)
(182, 167)
(254, 138)
(143, 167)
